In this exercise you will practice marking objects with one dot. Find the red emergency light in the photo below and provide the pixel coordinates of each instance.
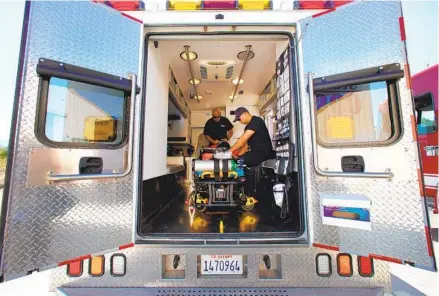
(123, 5)
(313, 4)
(220, 5)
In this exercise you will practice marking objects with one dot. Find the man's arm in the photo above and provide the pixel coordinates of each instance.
(242, 140)
(229, 127)
(230, 133)
(211, 140)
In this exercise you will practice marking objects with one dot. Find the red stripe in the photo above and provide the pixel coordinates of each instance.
(428, 235)
(126, 246)
(414, 128)
(130, 17)
(323, 13)
(385, 258)
(332, 248)
(402, 28)
(73, 260)
(408, 77)
(421, 186)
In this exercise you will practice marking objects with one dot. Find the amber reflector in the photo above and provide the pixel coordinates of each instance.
(74, 269)
(344, 265)
(97, 266)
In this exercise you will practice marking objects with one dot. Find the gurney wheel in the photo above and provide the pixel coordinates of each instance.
(198, 204)
(200, 207)
(247, 204)
(248, 208)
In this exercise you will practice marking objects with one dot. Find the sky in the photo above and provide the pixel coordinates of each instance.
(421, 20)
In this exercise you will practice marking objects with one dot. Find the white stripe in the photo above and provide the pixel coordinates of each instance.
(431, 187)
(431, 181)
(432, 175)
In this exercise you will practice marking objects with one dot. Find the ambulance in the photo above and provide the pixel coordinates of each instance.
(106, 184)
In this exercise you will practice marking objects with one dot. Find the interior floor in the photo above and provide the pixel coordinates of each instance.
(167, 211)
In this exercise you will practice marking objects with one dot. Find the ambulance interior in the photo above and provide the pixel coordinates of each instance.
(175, 118)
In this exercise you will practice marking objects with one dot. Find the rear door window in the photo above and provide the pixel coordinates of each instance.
(83, 113)
(355, 114)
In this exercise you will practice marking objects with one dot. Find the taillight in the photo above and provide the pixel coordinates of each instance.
(323, 264)
(344, 265)
(365, 266)
(74, 269)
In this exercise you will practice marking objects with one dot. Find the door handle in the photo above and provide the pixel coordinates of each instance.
(352, 164)
(90, 165)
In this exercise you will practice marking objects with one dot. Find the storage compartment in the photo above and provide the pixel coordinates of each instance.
(213, 196)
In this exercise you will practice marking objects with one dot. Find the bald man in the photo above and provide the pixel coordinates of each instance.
(218, 128)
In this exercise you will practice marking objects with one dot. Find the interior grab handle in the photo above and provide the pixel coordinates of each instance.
(75, 177)
(386, 174)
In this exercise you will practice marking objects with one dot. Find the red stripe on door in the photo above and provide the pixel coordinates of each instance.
(428, 235)
(408, 77)
(421, 185)
(332, 248)
(402, 28)
(385, 258)
(74, 259)
(126, 246)
(133, 18)
(323, 13)
(414, 128)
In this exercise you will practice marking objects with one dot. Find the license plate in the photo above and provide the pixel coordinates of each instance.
(221, 264)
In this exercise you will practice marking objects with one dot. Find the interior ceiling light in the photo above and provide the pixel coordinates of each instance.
(192, 56)
(232, 98)
(194, 81)
(199, 97)
(235, 81)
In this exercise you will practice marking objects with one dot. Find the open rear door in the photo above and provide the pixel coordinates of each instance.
(364, 183)
(71, 175)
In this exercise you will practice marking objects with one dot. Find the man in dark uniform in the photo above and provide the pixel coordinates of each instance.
(254, 146)
(218, 128)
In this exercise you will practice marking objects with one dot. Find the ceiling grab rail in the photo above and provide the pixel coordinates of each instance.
(248, 55)
(186, 50)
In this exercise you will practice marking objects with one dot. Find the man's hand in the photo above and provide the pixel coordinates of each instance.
(215, 142)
